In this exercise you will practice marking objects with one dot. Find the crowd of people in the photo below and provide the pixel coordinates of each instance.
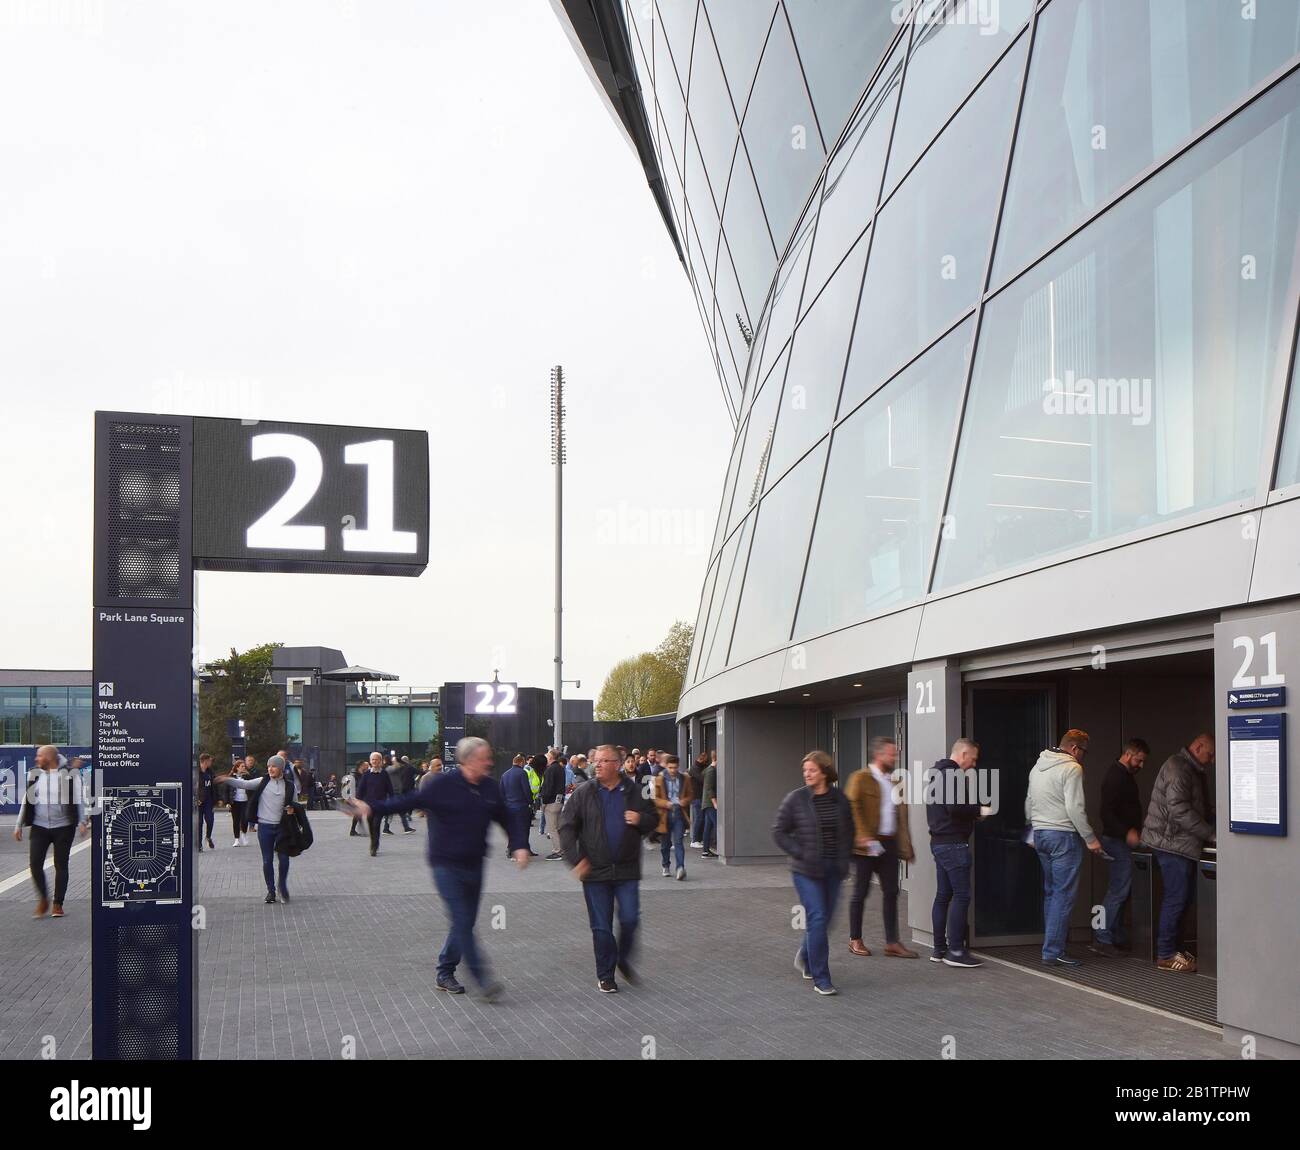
(597, 809)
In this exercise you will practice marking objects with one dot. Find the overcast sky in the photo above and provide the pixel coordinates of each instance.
(390, 213)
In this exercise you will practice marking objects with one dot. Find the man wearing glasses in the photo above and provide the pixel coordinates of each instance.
(601, 827)
(1054, 809)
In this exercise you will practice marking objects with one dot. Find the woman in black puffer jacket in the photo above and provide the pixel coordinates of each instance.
(814, 826)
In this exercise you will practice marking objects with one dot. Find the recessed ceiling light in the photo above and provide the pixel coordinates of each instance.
(771, 700)
(857, 684)
(806, 695)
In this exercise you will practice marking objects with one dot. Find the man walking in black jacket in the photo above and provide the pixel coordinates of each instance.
(552, 796)
(373, 787)
(601, 827)
(951, 811)
(1121, 831)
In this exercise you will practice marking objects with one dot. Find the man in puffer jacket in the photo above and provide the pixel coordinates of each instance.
(1054, 809)
(1179, 822)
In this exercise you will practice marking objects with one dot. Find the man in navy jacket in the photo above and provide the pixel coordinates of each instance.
(372, 787)
(951, 812)
(459, 807)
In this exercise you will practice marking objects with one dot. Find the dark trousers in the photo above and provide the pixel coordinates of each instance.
(601, 899)
(239, 817)
(818, 897)
(376, 825)
(266, 835)
(40, 841)
(206, 816)
(709, 831)
(697, 814)
(951, 897)
(1178, 874)
(460, 888)
(886, 866)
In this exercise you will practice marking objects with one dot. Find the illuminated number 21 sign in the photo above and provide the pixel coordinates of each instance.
(310, 497)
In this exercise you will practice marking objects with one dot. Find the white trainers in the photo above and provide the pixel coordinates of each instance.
(697, 844)
(681, 874)
(244, 842)
(235, 843)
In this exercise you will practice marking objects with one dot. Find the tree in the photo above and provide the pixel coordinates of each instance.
(649, 683)
(675, 650)
(241, 688)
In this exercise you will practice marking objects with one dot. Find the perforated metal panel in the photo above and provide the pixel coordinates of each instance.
(143, 522)
(148, 969)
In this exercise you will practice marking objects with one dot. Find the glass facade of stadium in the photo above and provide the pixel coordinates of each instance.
(1002, 298)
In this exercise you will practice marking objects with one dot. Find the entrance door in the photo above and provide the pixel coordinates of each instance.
(1012, 723)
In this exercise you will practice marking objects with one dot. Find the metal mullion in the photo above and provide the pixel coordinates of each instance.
(803, 76)
(1280, 398)
(929, 147)
(979, 309)
(894, 375)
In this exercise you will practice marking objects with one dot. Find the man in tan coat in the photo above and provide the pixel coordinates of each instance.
(881, 838)
(672, 794)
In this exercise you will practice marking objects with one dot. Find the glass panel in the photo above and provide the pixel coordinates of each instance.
(853, 175)
(776, 560)
(739, 29)
(16, 715)
(1113, 86)
(394, 725)
(781, 134)
(746, 228)
(80, 716)
(955, 43)
(883, 495)
(361, 725)
(50, 717)
(784, 308)
(840, 44)
(293, 724)
(1288, 465)
(727, 487)
(725, 610)
(758, 440)
(812, 383)
(710, 106)
(702, 621)
(671, 100)
(424, 724)
(676, 24)
(927, 261)
(703, 213)
(1122, 382)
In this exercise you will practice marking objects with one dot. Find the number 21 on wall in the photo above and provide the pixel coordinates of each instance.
(273, 530)
(1242, 678)
(925, 697)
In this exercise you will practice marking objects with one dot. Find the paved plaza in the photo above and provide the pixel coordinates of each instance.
(347, 968)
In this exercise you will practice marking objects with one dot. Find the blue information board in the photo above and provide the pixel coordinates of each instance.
(1257, 774)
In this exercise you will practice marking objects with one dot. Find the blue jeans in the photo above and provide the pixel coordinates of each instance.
(1177, 874)
(460, 888)
(697, 813)
(601, 898)
(1112, 929)
(266, 833)
(818, 897)
(709, 831)
(951, 898)
(673, 837)
(1061, 856)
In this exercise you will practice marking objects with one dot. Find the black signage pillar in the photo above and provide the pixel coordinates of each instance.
(143, 960)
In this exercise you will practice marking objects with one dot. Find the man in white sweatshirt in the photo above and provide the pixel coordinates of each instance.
(1054, 809)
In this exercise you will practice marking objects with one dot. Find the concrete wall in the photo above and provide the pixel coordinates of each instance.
(1259, 907)
(930, 735)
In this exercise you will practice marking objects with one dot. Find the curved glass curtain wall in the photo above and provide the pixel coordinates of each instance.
(1132, 325)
